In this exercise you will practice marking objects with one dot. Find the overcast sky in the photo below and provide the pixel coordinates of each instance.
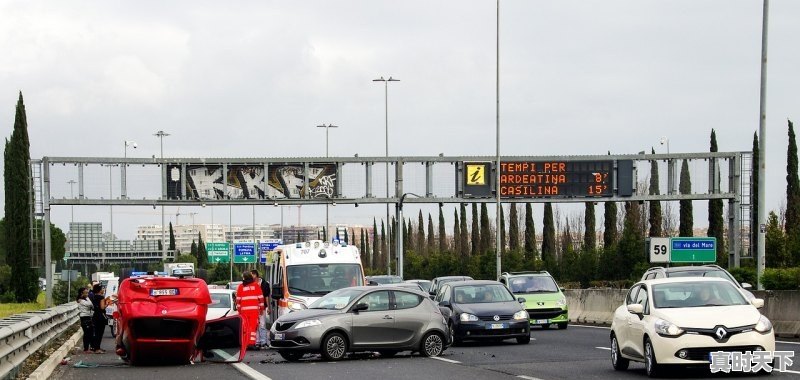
(253, 79)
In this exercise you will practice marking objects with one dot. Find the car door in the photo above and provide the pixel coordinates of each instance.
(623, 321)
(410, 317)
(636, 322)
(374, 326)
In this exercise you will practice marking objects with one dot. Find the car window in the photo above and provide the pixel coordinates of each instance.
(532, 284)
(631, 295)
(405, 300)
(714, 273)
(696, 294)
(481, 293)
(641, 299)
(220, 301)
(377, 301)
(336, 300)
(443, 295)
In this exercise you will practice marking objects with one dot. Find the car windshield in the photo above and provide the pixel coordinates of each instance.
(482, 294)
(220, 301)
(425, 285)
(320, 279)
(532, 284)
(696, 294)
(336, 300)
(701, 273)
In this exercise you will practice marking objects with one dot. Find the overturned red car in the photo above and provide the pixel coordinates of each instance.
(162, 320)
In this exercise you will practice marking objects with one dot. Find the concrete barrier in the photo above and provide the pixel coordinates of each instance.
(597, 306)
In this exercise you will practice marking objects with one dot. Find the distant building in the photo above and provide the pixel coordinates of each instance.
(87, 244)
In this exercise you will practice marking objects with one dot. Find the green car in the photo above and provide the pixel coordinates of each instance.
(544, 300)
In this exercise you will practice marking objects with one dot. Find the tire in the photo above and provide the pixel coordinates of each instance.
(432, 345)
(291, 356)
(617, 361)
(651, 365)
(562, 326)
(334, 346)
(388, 353)
(545, 326)
(453, 340)
(524, 339)
(113, 329)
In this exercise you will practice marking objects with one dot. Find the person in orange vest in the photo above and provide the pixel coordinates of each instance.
(250, 302)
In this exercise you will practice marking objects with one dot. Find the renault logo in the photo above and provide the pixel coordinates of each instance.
(496, 317)
(721, 332)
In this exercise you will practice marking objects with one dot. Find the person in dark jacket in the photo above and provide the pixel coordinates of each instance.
(261, 341)
(99, 302)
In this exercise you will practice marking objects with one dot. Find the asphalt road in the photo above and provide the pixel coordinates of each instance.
(575, 353)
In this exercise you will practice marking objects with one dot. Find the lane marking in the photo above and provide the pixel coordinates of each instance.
(248, 371)
(446, 360)
(604, 348)
(789, 371)
(528, 377)
(778, 341)
(592, 327)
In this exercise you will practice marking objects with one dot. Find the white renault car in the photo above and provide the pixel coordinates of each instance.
(682, 320)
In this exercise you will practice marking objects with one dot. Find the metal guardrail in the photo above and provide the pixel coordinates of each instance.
(23, 334)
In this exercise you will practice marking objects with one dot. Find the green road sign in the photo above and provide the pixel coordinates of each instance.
(218, 252)
(693, 250)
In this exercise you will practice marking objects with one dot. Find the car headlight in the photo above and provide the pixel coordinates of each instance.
(763, 325)
(297, 305)
(465, 317)
(521, 315)
(308, 323)
(666, 328)
(561, 302)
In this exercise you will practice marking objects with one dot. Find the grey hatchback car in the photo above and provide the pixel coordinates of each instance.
(387, 319)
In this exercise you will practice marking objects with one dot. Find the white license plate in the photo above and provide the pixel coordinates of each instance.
(495, 326)
(541, 321)
(278, 337)
(164, 292)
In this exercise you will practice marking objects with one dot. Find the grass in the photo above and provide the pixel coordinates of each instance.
(7, 309)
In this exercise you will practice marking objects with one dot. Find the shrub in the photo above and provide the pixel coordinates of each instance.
(743, 274)
(781, 278)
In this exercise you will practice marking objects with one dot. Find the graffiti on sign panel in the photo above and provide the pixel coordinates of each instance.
(246, 182)
(286, 181)
(204, 181)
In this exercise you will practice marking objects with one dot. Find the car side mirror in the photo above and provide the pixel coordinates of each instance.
(372, 283)
(359, 307)
(521, 300)
(444, 303)
(747, 286)
(757, 302)
(636, 308)
(277, 292)
(561, 289)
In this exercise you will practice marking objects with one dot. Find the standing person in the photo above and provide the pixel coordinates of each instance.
(85, 311)
(250, 302)
(99, 302)
(261, 339)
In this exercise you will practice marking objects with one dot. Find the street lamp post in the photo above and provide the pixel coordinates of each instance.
(386, 121)
(161, 135)
(327, 128)
(497, 142)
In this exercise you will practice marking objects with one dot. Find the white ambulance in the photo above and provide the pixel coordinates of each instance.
(303, 272)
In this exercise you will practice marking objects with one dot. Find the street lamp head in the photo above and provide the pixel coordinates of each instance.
(664, 140)
(379, 80)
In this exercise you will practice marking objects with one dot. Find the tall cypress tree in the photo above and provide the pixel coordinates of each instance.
(384, 257)
(421, 247)
(431, 236)
(368, 253)
(202, 254)
(376, 246)
(686, 216)
(513, 228)
(324, 234)
(407, 235)
(716, 223)
(24, 284)
(549, 237)
(171, 238)
(531, 250)
(792, 198)
(655, 206)
(456, 233)
(193, 249)
(754, 197)
(610, 225)
(462, 226)
(631, 245)
(590, 233)
(486, 234)
(442, 233)
(476, 231)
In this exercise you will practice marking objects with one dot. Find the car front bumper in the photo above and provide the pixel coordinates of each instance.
(306, 339)
(697, 348)
(492, 329)
(548, 316)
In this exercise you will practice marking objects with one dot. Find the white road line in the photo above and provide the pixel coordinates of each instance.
(604, 348)
(528, 377)
(779, 341)
(790, 371)
(592, 327)
(249, 372)
(446, 360)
